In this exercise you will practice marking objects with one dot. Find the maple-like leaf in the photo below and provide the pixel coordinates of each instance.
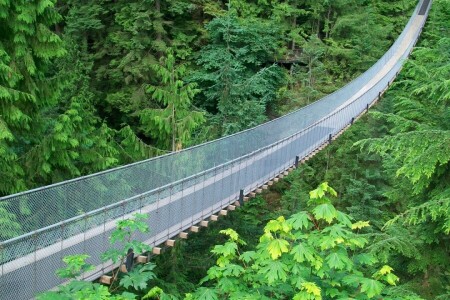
(371, 287)
(277, 247)
(325, 212)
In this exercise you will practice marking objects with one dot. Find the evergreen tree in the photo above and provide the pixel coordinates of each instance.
(174, 121)
(26, 88)
(237, 86)
(313, 75)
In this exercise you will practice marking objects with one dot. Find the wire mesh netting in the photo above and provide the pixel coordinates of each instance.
(179, 189)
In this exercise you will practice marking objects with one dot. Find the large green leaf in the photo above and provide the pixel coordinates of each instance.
(277, 247)
(325, 212)
(303, 252)
(336, 260)
(139, 278)
(300, 220)
(365, 259)
(206, 294)
(371, 287)
(275, 271)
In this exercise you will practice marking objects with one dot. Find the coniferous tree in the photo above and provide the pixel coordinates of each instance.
(312, 76)
(237, 86)
(26, 88)
(416, 153)
(173, 121)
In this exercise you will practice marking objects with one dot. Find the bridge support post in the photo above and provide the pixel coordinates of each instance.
(330, 138)
(367, 107)
(296, 161)
(352, 120)
(129, 260)
(241, 197)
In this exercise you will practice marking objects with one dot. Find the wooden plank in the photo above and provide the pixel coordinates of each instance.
(170, 243)
(194, 229)
(265, 187)
(258, 191)
(204, 223)
(223, 212)
(276, 179)
(156, 250)
(270, 183)
(231, 207)
(105, 279)
(123, 269)
(214, 217)
(142, 259)
(183, 235)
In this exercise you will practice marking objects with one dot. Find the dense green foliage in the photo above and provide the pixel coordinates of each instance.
(27, 89)
(82, 81)
(132, 277)
(312, 255)
(399, 178)
(87, 85)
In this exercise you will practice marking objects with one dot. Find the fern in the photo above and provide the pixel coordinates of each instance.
(420, 153)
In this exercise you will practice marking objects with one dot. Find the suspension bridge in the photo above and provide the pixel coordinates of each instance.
(181, 190)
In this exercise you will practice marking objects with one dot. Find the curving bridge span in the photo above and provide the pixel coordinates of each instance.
(180, 189)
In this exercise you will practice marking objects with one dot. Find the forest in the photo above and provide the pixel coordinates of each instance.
(88, 85)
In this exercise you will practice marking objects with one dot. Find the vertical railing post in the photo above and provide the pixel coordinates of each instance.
(222, 176)
(241, 197)
(330, 137)
(141, 204)
(296, 161)
(194, 204)
(129, 259)
(61, 252)
(35, 264)
(84, 233)
(2, 261)
(181, 200)
(170, 211)
(254, 173)
(105, 240)
(203, 195)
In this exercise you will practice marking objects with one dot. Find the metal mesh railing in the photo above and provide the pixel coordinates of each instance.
(179, 189)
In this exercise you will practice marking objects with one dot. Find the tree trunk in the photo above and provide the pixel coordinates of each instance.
(294, 25)
(158, 34)
(327, 33)
(174, 122)
(310, 78)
